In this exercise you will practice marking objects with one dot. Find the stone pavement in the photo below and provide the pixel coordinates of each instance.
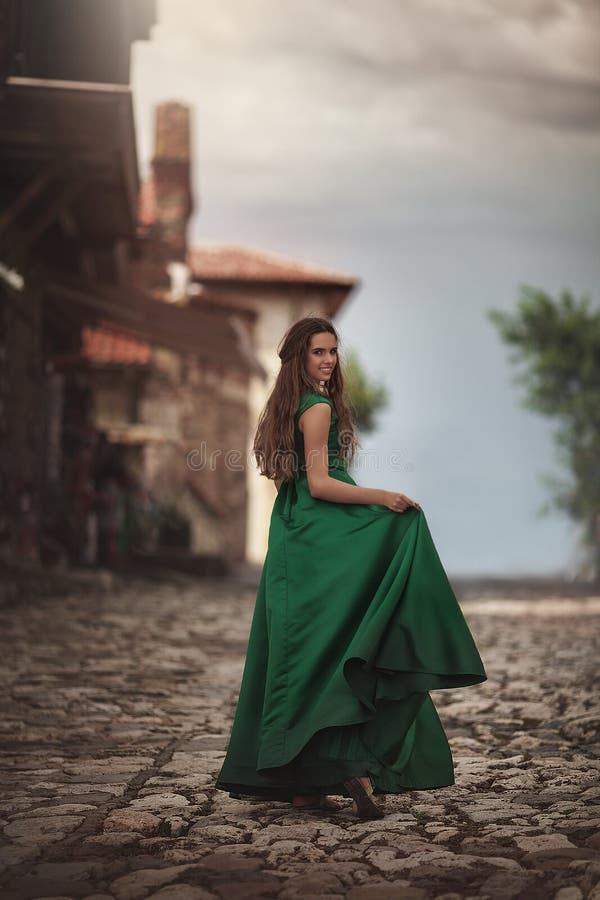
(116, 707)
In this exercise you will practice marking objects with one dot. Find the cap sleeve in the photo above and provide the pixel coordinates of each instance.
(308, 400)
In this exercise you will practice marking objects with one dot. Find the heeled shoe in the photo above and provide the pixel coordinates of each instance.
(366, 807)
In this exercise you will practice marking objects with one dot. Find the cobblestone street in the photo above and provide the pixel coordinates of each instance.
(116, 708)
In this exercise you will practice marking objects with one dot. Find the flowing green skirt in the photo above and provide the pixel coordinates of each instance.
(354, 623)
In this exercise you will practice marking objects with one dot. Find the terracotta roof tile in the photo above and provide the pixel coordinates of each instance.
(235, 262)
(106, 345)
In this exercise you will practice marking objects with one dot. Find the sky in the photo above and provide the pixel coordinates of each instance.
(444, 152)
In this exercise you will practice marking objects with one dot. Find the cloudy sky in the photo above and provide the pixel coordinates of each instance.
(443, 151)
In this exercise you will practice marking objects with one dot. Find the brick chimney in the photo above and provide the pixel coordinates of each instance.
(165, 205)
(171, 175)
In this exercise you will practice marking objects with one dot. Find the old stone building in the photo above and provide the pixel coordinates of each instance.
(68, 186)
(179, 415)
(109, 380)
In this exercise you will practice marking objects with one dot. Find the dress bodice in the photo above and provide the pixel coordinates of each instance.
(334, 459)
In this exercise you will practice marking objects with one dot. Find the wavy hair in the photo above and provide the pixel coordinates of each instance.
(274, 445)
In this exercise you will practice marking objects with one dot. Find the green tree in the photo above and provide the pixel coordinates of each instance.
(559, 343)
(366, 398)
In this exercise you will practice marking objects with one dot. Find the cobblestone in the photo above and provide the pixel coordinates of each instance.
(116, 709)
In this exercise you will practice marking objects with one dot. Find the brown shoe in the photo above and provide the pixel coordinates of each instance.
(364, 804)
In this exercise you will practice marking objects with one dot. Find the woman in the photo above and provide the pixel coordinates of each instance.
(355, 620)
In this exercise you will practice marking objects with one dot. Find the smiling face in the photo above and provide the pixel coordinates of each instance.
(321, 356)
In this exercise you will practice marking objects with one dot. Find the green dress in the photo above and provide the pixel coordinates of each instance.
(354, 623)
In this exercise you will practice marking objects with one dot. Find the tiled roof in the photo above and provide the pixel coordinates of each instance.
(106, 345)
(234, 262)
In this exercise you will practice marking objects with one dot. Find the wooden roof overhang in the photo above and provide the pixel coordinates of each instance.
(224, 291)
(68, 153)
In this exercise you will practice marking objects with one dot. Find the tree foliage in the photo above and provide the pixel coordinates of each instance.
(366, 398)
(558, 341)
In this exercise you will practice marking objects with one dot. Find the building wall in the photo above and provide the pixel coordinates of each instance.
(191, 422)
(21, 420)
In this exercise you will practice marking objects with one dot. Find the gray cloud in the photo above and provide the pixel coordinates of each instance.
(401, 104)
(520, 58)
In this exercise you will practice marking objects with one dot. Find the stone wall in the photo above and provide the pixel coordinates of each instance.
(191, 422)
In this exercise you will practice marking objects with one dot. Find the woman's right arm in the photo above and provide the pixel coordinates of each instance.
(314, 424)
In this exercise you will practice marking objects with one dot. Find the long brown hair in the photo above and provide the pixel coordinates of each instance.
(274, 446)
